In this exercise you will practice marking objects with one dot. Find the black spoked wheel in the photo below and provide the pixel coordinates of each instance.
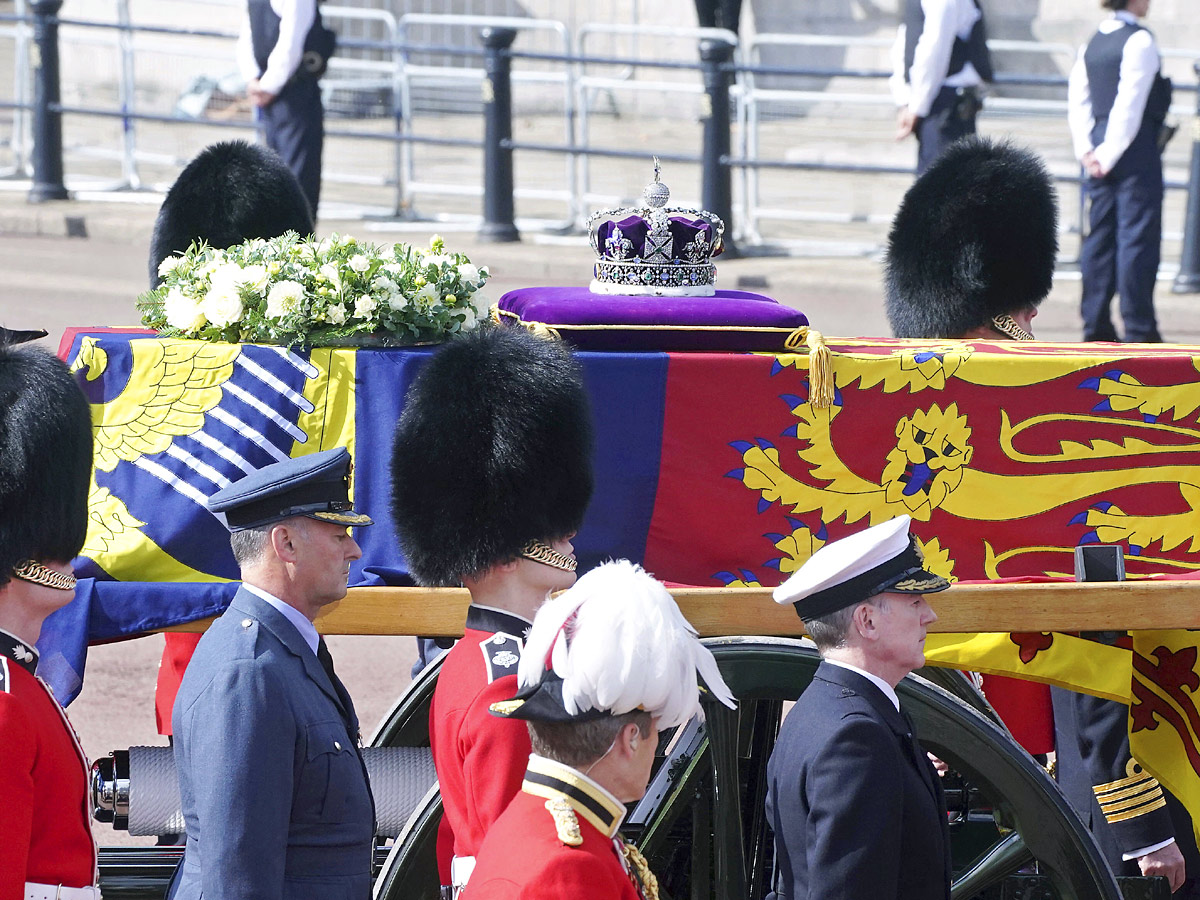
(702, 823)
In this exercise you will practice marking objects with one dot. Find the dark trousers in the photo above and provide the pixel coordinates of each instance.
(1121, 252)
(951, 117)
(294, 127)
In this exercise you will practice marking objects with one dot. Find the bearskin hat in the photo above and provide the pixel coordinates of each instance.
(45, 459)
(493, 450)
(975, 237)
(229, 193)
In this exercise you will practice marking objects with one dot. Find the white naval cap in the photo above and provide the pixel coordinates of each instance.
(884, 557)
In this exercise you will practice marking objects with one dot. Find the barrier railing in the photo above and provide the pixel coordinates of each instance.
(729, 80)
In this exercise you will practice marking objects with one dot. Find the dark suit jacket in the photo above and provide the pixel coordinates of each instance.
(274, 793)
(855, 804)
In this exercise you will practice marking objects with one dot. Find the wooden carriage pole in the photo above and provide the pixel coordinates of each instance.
(963, 609)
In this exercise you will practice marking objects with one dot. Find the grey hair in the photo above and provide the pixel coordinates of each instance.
(250, 545)
(829, 632)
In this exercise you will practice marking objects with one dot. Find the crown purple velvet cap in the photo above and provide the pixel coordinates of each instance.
(655, 250)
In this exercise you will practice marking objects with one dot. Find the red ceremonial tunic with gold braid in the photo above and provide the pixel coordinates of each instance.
(45, 830)
(479, 758)
(557, 838)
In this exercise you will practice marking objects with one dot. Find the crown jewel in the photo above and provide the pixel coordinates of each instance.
(655, 250)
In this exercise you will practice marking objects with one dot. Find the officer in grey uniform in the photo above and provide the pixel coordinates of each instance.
(274, 790)
(940, 60)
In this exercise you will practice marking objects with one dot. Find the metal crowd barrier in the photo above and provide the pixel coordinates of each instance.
(730, 78)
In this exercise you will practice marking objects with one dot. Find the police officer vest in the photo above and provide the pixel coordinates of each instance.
(973, 50)
(264, 35)
(1102, 58)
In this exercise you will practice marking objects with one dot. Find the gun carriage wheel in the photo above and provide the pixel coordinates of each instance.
(702, 824)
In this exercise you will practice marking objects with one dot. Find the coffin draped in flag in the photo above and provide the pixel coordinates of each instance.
(711, 469)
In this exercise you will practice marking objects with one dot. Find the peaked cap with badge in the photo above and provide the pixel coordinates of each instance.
(975, 240)
(846, 572)
(492, 456)
(613, 643)
(316, 486)
(231, 192)
(45, 465)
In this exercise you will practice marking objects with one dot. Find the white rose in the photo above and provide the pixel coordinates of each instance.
(222, 305)
(183, 312)
(468, 273)
(330, 271)
(359, 263)
(336, 314)
(283, 298)
(384, 284)
(427, 295)
(365, 306)
(481, 304)
(327, 244)
(254, 277)
(169, 265)
(469, 319)
(394, 268)
(397, 301)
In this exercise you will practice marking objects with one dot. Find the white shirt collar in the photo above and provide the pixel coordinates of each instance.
(307, 629)
(1125, 16)
(888, 690)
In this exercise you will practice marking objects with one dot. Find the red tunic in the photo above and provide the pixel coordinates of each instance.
(525, 857)
(45, 835)
(479, 758)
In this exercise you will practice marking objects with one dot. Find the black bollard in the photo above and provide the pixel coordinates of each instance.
(1188, 279)
(716, 185)
(47, 123)
(498, 226)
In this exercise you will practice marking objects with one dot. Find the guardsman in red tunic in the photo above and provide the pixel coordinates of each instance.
(46, 847)
(491, 475)
(607, 664)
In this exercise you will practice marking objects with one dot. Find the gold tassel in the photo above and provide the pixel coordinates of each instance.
(820, 365)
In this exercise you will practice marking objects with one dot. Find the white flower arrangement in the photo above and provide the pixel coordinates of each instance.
(291, 290)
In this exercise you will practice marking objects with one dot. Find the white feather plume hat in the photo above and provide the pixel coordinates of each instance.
(613, 643)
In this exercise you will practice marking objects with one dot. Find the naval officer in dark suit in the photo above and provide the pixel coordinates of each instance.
(854, 801)
(274, 790)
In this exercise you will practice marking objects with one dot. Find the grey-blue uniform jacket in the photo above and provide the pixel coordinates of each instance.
(855, 804)
(275, 796)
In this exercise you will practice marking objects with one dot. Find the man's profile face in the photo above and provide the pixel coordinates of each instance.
(324, 552)
(903, 620)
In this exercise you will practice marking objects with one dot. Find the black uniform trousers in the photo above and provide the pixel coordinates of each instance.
(951, 117)
(294, 127)
(1120, 254)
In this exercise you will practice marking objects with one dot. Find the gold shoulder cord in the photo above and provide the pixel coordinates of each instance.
(639, 870)
(565, 822)
(36, 573)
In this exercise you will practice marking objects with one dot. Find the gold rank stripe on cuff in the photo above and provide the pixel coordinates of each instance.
(553, 781)
(1129, 798)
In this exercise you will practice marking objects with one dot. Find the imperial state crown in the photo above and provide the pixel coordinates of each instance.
(654, 250)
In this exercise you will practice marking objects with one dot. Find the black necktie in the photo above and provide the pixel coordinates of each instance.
(343, 695)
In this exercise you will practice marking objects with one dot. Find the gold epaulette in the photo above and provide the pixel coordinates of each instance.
(565, 822)
(1127, 798)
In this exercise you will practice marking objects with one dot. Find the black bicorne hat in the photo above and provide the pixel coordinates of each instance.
(493, 450)
(45, 459)
(229, 193)
(975, 238)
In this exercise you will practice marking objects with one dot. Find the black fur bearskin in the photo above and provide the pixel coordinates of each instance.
(229, 193)
(493, 449)
(975, 237)
(45, 459)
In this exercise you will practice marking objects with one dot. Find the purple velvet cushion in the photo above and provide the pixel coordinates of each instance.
(728, 320)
